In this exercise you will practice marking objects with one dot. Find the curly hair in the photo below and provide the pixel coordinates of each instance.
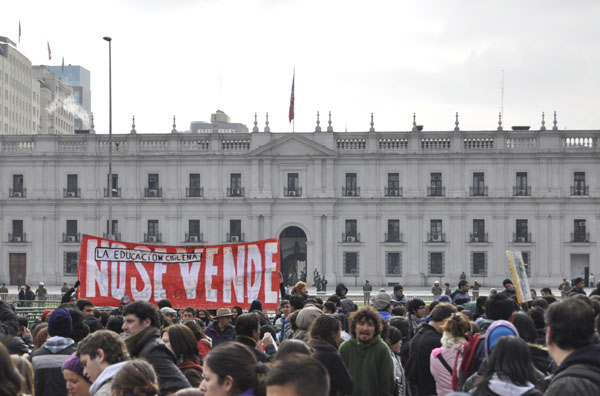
(324, 327)
(297, 288)
(110, 342)
(365, 313)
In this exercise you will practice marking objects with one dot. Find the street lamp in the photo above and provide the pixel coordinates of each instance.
(109, 231)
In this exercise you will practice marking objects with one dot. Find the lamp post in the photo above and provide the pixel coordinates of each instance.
(109, 231)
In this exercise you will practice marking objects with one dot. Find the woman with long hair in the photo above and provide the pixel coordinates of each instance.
(181, 341)
(204, 342)
(509, 371)
(11, 382)
(205, 317)
(135, 378)
(325, 334)
(25, 368)
(539, 354)
(441, 361)
(299, 289)
(231, 369)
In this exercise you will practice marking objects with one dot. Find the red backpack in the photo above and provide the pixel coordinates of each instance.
(463, 364)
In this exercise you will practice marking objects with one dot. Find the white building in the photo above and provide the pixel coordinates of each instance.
(407, 207)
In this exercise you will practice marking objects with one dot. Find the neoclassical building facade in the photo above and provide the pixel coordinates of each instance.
(392, 207)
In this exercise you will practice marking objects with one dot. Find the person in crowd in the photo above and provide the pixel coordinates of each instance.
(577, 288)
(367, 288)
(80, 329)
(509, 371)
(41, 294)
(48, 360)
(441, 360)
(290, 347)
(169, 313)
(300, 290)
(78, 384)
(570, 332)
(64, 288)
(436, 290)
(341, 290)
(141, 328)
(70, 293)
(367, 356)
(475, 287)
(462, 276)
(221, 330)
(24, 367)
(115, 323)
(248, 333)
(102, 354)
(546, 292)
(125, 301)
(447, 290)
(235, 313)
(596, 291)
(539, 354)
(393, 339)
(203, 341)
(283, 322)
(85, 306)
(188, 313)
(22, 296)
(564, 287)
(29, 295)
(303, 320)
(325, 335)
(416, 313)
(22, 342)
(533, 294)
(41, 336)
(461, 296)
(537, 315)
(232, 369)
(136, 378)
(398, 295)
(509, 288)
(11, 382)
(300, 375)
(426, 340)
(181, 341)
(205, 317)
(382, 302)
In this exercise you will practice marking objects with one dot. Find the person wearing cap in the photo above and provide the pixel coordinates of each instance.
(48, 360)
(509, 289)
(41, 294)
(169, 313)
(436, 290)
(141, 326)
(77, 383)
(382, 302)
(221, 330)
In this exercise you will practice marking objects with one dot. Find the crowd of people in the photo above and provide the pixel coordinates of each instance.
(393, 345)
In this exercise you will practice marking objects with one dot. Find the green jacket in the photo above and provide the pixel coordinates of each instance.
(370, 366)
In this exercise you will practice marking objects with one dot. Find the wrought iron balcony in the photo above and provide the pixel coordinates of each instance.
(522, 238)
(436, 191)
(194, 192)
(18, 193)
(153, 192)
(436, 237)
(116, 236)
(522, 191)
(394, 237)
(393, 191)
(580, 237)
(71, 238)
(296, 192)
(199, 237)
(235, 191)
(478, 191)
(76, 193)
(116, 192)
(351, 191)
(17, 238)
(580, 190)
(478, 237)
(351, 238)
(153, 238)
(235, 237)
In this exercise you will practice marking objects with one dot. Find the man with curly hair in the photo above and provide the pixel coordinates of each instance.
(367, 356)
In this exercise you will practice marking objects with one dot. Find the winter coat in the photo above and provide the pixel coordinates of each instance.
(217, 336)
(339, 288)
(47, 365)
(192, 371)
(339, 378)
(370, 366)
(443, 378)
(460, 298)
(18, 346)
(9, 325)
(103, 384)
(418, 370)
(567, 381)
(260, 355)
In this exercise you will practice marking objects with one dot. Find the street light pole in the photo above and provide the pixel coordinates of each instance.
(109, 231)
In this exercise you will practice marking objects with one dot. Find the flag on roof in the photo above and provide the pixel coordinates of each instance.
(49, 51)
(291, 115)
(19, 30)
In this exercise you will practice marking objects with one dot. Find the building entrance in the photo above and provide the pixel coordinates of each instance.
(580, 266)
(293, 255)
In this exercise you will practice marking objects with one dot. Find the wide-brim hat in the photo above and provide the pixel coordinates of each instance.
(223, 312)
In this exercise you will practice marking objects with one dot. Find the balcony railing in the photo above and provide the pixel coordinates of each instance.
(478, 191)
(580, 190)
(116, 236)
(296, 192)
(478, 237)
(436, 191)
(199, 237)
(522, 238)
(394, 237)
(194, 192)
(153, 192)
(71, 193)
(17, 238)
(235, 191)
(116, 192)
(235, 237)
(71, 238)
(522, 191)
(580, 237)
(153, 238)
(393, 191)
(20, 193)
(436, 237)
(351, 191)
(351, 238)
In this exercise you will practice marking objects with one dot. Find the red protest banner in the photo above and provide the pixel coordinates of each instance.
(198, 276)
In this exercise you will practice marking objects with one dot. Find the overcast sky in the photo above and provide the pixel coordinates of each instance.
(189, 58)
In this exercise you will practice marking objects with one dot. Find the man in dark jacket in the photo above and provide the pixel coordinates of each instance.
(247, 328)
(509, 289)
(578, 288)
(426, 340)
(221, 330)
(569, 336)
(341, 290)
(141, 327)
(9, 325)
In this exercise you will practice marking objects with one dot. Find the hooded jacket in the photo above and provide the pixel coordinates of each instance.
(103, 384)
(339, 377)
(47, 365)
(339, 288)
(567, 379)
(418, 372)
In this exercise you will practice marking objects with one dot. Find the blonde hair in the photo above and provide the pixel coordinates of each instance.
(456, 325)
(297, 287)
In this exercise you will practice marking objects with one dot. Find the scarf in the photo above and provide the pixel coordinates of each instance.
(136, 342)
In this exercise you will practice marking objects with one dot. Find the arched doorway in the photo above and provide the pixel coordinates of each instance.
(293, 255)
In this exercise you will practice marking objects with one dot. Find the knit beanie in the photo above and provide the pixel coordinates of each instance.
(45, 314)
(445, 298)
(306, 316)
(506, 282)
(255, 306)
(498, 329)
(60, 323)
(74, 364)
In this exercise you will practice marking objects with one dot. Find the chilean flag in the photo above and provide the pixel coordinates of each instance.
(291, 115)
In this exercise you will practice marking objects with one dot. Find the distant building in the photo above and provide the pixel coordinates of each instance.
(54, 96)
(219, 123)
(78, 78)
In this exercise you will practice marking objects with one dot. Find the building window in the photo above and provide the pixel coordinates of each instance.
(154, 189)
(479, 234)
(71, 262)
(193, 234)
(393, 231)
(351, 188)
(72, 190)
(17, 190)
(71, 235)
(114, 233)
(522, 188)
(436, 264)
(393, 188)
(436, 234)
(17, 234)
(293, 188)
(351, 234)
(235, 185)
(351, 265)
(194, 189)
(579, 232)
(479, 188)
(235, 231)
(393, 263)
(527, 261)
(522, 234)
(113, 186)
(153, 234)
(579, 187)
(436, 189)
(478, 263)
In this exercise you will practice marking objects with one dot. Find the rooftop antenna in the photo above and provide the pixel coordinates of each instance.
(502, 95)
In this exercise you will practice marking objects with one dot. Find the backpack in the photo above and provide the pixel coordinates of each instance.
(466, 362)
